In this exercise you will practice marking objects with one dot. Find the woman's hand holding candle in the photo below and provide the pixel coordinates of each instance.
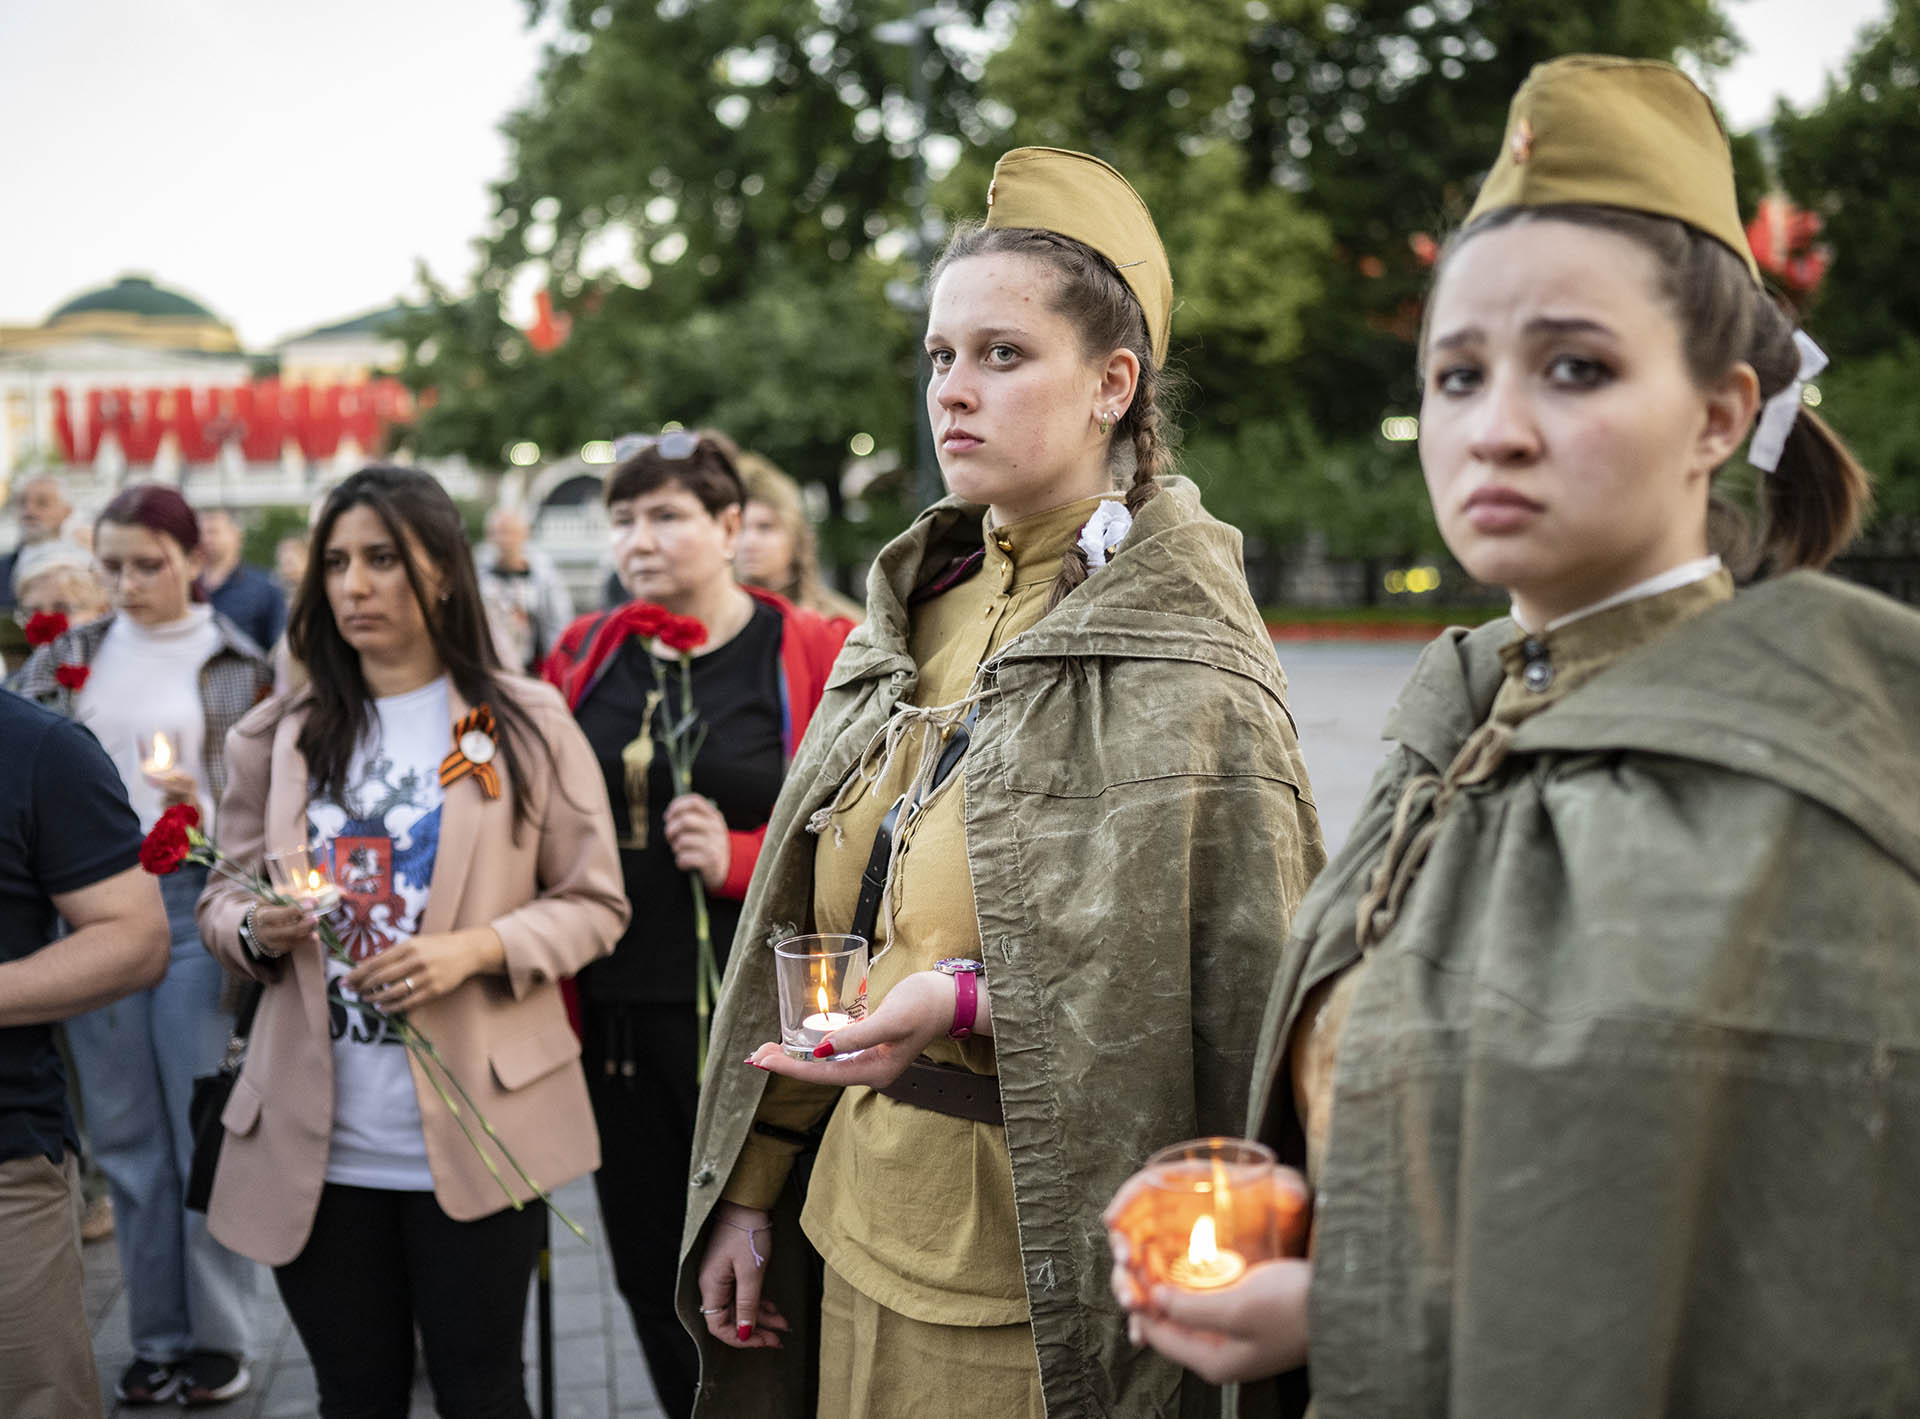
(738, 1248)
(917, 1011)
(280, 930)
(177, 786)
(1245, 1328)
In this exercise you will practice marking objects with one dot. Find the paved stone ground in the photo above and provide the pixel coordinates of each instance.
(1339, 692)
(598, 1372)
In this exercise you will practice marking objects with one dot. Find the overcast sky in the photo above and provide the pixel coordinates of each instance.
(288, 164)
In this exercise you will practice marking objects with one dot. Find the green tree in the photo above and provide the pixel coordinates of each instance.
(705, 190)
(1850, 160)
(1296, 154)
(1870, 401)
(718, 195)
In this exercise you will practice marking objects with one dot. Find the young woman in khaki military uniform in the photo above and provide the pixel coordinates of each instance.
(1600, 1041)
(1128, 822)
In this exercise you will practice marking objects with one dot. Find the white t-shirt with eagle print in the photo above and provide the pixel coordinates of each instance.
(380, 844)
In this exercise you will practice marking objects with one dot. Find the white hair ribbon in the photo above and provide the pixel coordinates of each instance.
(1103, 532)
(1777, 416)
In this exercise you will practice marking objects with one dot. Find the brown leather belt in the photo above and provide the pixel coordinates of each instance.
(959, 1093)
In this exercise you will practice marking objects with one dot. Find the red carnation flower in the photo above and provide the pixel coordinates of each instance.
(683, 633)
(647, 618)
(165, 848)
(71, 676)
(46, 626)
(185, 814)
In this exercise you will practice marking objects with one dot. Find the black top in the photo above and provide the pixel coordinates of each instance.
(64, 825)
(736, 695)
(252, 602)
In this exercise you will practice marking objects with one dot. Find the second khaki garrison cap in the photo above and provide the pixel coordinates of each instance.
(1631, 133)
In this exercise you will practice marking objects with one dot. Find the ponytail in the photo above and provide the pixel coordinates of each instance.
(1813, 501)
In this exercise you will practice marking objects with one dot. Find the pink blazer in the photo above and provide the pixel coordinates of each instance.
(557, 900)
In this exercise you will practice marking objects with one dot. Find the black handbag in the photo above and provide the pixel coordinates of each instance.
(209, 1101)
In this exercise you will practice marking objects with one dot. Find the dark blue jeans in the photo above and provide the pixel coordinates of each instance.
(136, 1059)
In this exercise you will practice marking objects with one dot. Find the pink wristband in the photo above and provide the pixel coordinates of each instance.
(966, 1004)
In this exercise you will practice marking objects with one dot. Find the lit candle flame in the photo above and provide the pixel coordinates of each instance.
(162, 753)
(1201, 1248)
(820, 993)
(1207, 1264)
(314, 880)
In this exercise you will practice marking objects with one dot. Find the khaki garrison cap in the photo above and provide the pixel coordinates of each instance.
(1609, 132)
(1081, 197)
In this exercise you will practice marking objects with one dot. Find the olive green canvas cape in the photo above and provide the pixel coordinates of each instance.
(1139, 831)
(1626, 1114)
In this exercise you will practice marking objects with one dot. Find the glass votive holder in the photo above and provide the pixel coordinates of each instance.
(823, 986)
(159, 751)
(292, 873)
(1207, 1210)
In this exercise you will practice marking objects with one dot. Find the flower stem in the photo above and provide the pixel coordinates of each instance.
(682, 746)
(201, 850)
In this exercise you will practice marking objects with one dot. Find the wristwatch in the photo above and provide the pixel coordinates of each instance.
(966, 992)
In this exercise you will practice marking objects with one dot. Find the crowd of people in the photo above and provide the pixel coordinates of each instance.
(1592, 1052)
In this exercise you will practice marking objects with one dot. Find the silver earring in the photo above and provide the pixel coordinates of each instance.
(1105, 420)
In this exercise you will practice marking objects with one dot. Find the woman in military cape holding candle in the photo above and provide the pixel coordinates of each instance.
(1600, 1040)
(1117, 846)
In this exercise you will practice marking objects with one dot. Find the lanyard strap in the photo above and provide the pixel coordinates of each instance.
(873, 880)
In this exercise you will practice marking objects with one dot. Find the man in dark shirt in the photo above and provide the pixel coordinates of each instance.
(246, 597)
(69, 847)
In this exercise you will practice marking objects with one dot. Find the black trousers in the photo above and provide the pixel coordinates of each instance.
(380, 1263)
(639, 1062)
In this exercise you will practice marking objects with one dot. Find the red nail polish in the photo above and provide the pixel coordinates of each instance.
(758, 1065)
(823, 1050)
(745, 1332)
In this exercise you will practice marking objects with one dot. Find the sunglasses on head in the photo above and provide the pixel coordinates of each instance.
(674, 444)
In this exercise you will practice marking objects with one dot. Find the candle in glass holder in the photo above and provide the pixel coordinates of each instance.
(1205, 1265)
(1207, 1210)
(293, 874)
(321, 895)
(823, 987)
(824, 1021)
(159, 753)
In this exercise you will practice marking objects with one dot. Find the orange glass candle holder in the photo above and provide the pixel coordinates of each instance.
(1207, 1210)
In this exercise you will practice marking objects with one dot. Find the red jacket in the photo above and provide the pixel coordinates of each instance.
(808, 644)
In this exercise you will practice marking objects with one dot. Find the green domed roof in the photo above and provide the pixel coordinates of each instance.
(133, 295)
